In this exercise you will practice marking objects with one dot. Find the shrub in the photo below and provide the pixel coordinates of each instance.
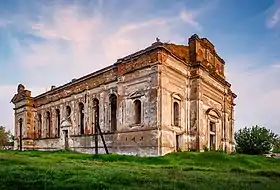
(254, 140)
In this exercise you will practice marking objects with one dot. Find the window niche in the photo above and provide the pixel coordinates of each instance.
(48, 124)
(213, 123)
(212, 135)
(39, 135)
(137, 111)
(113, 111)
(68, 111)
(176, 110)
(57, 113)
(82, 118)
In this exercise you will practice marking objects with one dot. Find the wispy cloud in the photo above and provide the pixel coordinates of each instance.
(190, 18)
(71, 38)
(69, 41)
(257, 89)
(276, 66)
(274, 20)
(273, 15)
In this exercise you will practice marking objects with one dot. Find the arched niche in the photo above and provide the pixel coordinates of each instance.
(213, 127)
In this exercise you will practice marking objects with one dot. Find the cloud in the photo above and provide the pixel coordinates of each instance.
(6, 108)
(7, 112)
(82, 43)
(190, 18)
(274, 20)
(276, 66)
(65, 41)
(257, 88)
(273, 15)
(3, 23)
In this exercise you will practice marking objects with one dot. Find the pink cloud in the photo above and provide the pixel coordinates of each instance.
(74, 44)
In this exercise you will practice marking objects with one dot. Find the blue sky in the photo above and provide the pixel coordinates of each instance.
(44, 43)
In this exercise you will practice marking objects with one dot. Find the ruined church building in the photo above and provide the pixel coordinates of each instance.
(161, 99)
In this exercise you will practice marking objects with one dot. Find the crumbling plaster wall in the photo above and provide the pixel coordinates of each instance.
(174, 84)
(213, 96)
(24, 111)
(155, 76)
(137, 81)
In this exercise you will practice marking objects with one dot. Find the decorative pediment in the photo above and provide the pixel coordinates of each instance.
(18, 98)
(213, 113)
(136, 94)
(21, 94)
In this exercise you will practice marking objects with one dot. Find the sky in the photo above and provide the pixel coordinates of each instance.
(45, 43)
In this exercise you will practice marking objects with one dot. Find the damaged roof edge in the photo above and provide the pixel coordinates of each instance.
(76, 81)
(128, 57)
(150, 48)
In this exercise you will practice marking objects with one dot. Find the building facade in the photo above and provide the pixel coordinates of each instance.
(162, 99)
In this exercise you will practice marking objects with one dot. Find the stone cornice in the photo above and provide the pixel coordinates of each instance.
(161, 50)
(76, 81)
(214, 75)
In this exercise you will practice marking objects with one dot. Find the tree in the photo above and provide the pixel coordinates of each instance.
(4, 137)
(276, 145)
(254, 140)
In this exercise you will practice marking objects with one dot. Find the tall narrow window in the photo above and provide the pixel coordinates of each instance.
(57, 122)
(68, 111)
(48, 124)
(113, 105)
(212, 136)
(212, 126)
(177, 143)
(176, 114)
(82, 118)
(39, 126)
(137, 111)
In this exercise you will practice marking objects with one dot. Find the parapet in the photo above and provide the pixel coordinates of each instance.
(22, 94)
(203, 51)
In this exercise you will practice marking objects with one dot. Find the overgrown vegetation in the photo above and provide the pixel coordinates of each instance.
(185, 170)
(6, 137)
(255, 140)
(276, 145)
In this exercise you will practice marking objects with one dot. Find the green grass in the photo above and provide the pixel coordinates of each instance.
(187, 170)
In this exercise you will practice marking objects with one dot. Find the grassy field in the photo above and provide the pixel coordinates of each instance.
(189, 170)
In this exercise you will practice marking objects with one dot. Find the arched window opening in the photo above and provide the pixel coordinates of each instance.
(68, 111)
(113, 105)
(48, 124)
(176, 114)
(214, 118)
(212, 127)
(57, 122)
(82, 118)
(137, 111)
(39, 126)
(212, 131)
